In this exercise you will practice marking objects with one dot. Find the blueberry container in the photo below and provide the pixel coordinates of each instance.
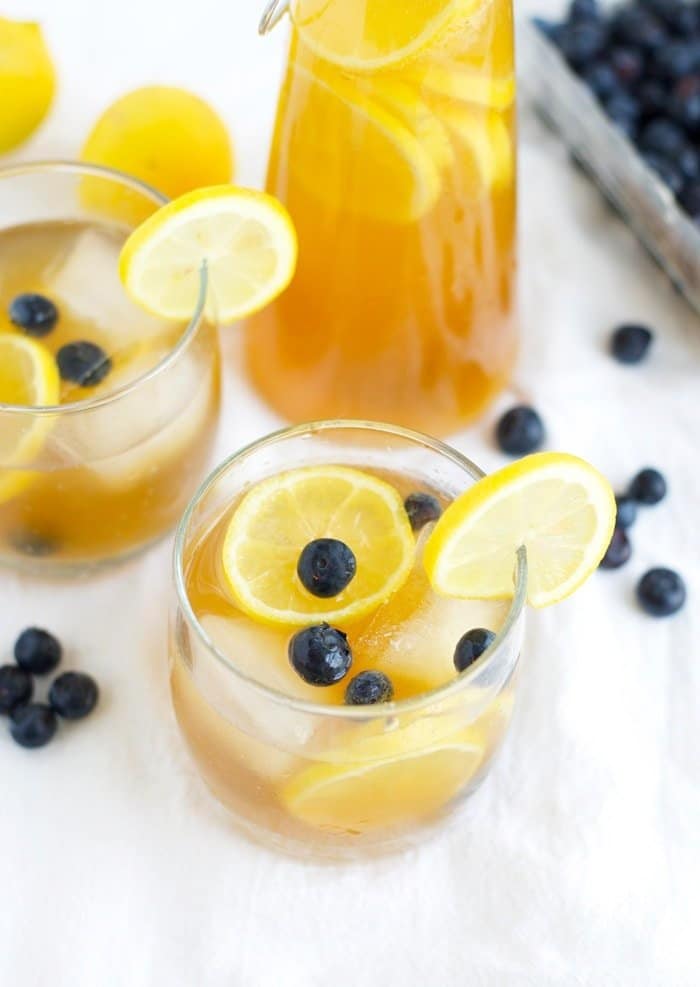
(645, 202)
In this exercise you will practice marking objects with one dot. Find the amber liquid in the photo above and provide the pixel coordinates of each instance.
(103, 480)
(402, 308)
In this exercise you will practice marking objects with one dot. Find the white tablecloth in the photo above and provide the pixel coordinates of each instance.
(578, 862)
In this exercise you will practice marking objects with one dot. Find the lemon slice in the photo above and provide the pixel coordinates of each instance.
(29, 377)
(464, 85)
(246, 239)
(281, 515)
(375, 34)
(404, 102)
(27, 81)
(484, 135)
(385, 780)
(391, 175)
(558, 506)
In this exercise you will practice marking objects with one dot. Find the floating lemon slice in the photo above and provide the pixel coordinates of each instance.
(464, 85)
(391, 175)
(246, 239)
(559, 507)
(403, 100)
(485, 136)
(27, 81)
(28, 377)
(281, 515)
(376, 34)
(386, 779)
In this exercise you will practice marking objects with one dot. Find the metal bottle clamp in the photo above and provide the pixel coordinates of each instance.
(272, 15)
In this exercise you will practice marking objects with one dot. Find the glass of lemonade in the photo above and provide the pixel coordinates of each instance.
(108, 461)
(394, 151)
(301, 754)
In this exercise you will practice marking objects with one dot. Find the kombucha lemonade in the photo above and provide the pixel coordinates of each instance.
(104, 477)
(394, 153)
(344, 668)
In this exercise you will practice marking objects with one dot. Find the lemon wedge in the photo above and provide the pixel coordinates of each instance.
(246, 239)
(386, 779)
(27, 81)
(28, 377)
(556, 505)
(282, 514)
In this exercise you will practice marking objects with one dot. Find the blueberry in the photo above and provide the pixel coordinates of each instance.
(638, 28)
(626, 510)
(472, 646)
(689, 199)
(661, 592)
(33, 725)
(648, 487)
(630, 343)
(688, 162)
(601, 79)
(665, 169)
(583, 10)
(653, 98)
(627, 64)
(422, 508)
(624, 111)
(37, 651)
(326, 566)
(520, 431)
(618, 551)
(320, 654)
(368, 688)
(662, 136)
(581, 42)
(674, 60)
(16, 687)
(83, 363)
(32, 543)
(684, 102)
(36, 314)
(682, 18)
(73, 695)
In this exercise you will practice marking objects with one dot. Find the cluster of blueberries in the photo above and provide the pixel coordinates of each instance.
(520, 431)
(321, 655)
(72, 695)
(642, 62)
(82, 362)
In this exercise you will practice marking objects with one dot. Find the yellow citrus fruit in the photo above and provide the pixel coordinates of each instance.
(385, 779)
(483, 134)
(246, 239)
(168, 137)
(28, 377)
(556, 505)
(27, 81)
(281, 515)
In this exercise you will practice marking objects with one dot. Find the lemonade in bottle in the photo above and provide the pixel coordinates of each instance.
(394, 153)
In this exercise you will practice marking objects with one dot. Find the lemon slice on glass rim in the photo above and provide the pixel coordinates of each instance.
(28, 377)
(556, 505)
(246, 240)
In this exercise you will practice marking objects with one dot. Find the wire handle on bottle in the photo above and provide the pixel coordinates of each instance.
(272, 15)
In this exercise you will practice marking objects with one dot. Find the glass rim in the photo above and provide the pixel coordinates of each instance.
(381, 711)
(68, 166)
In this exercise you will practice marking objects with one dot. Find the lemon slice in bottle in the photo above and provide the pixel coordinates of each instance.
(484, 135)
(29, 377)
(464, 85)
(282, 514)
(376, 34)
(556, 505)
(246, 238)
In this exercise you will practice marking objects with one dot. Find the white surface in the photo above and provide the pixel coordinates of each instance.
(578, 862)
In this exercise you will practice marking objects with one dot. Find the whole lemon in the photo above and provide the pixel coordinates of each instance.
(27, 81)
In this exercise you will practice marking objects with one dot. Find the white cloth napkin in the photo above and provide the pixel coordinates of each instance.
(578, 861)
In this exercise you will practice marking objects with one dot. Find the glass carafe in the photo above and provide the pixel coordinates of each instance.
(394, 150)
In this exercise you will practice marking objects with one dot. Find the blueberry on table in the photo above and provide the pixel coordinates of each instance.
(618, 551)
(37, 651)
(520, 431)
(35, 314)
(624, 111)
(422, 508)
(661, 592)
(601, 80)
(663, 136)
(471, 646)
(33, 725)
(73, 695)
(648, 487)
(630, 343)
(326, 566)
(16, 687)
(626, 510)
(369, 688)
(320, 654)
(83, 363)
